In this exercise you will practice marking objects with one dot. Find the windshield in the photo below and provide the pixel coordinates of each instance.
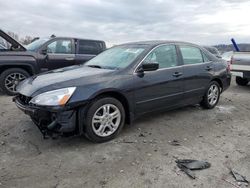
(116, 58)
(36, 44)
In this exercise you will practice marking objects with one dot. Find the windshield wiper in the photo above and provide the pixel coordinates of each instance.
(95, 66)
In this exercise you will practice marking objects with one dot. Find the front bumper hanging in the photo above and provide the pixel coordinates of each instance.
(50, 121)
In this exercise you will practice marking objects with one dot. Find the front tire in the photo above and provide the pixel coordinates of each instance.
(104, 119)
(241, 81)
(10, 78)
(212, 96)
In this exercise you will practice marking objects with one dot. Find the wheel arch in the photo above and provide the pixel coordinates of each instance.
(27, 68)
(219, 82)
(120, 97)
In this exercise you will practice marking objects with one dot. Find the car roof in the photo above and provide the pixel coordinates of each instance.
(74, 38)
(159, 42)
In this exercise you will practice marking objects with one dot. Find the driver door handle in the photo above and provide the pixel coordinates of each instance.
(208, 68)
(177, 74)
(69, 58)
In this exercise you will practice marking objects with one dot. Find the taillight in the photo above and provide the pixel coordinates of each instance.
(228, 66)
(229, 63)
(232, 59)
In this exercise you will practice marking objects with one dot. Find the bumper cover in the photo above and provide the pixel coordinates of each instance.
(50, 121)
(227, 81)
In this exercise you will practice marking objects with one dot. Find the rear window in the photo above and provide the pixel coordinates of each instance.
(89, 47)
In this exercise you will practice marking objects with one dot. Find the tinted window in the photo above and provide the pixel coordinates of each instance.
(206, 59)
(191, 55)
(89, 47)
(165, 56)
(60, 47)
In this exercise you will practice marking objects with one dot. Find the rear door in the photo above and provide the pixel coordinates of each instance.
(162, 88)
(198, 71)
(60, 53)
(86, 50)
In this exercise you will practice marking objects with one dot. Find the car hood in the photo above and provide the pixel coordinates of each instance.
(13, 42)
(61, 78)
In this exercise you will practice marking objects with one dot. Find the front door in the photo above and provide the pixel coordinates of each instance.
(162, 88)
(60, 53)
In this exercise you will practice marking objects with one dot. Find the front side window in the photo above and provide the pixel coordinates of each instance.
(60, 47)
(165, 56)
(191, 55)
(88, 47)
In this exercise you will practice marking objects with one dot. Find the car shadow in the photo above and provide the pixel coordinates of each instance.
(128, 131)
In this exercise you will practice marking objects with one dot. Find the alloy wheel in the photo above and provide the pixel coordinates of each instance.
(106, 120)
(12, 80)
(213, 94)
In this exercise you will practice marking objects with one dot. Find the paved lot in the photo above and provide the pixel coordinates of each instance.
(140, 157)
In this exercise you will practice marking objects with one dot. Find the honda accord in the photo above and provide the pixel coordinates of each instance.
(96, 99)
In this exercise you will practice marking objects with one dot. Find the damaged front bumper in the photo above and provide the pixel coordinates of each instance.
(51, 121)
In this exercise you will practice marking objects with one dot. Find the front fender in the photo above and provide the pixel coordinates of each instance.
(19, 61)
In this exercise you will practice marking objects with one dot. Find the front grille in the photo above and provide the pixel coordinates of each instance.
(24, 99)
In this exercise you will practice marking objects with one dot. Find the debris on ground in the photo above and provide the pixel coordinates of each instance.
(141, 135)
(187, 165)
(175, 143)
(239, 178)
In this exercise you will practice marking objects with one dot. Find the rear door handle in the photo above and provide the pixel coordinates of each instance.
(69, 58)
(177, 74)
(208, 68)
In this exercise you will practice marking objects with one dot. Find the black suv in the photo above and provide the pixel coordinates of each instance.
(18, 62)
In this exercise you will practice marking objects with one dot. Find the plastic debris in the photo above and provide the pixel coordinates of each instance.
(238, 177)
(174, 143)
(187, 165)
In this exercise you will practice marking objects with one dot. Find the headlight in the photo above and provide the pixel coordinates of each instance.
(54, 98)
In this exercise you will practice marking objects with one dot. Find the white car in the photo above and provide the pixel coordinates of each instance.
(227, 56)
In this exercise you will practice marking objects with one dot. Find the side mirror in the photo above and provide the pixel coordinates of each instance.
(149, 67)
(44, 51)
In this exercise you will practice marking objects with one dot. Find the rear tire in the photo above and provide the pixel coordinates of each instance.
(10, 78)
(104, 120)
(212, 96)
(241, 81)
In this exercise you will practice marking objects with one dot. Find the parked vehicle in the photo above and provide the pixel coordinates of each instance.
(19, 62)
(227, 56)
(213, 51)
(241, 67)
(121, 84)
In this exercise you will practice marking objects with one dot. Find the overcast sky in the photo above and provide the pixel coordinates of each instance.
(118, 21)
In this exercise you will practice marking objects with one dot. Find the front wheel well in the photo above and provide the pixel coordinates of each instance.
(120, 97)
(26, 68)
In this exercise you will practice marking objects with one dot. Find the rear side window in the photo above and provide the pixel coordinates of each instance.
(89, 47)
(191, 55)
(165, 56)
(205, 57)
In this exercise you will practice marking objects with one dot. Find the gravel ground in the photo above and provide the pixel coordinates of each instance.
(141, 156)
